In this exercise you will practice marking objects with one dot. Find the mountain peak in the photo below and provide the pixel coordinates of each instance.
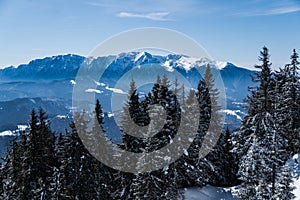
(221, 64)
(187, 62)
(142, 56)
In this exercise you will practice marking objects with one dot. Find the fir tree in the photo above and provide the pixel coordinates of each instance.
(261, 147)
(30, 162)
(289, 104)
(284, 186)
(225, 162)
(216, 118)
(131, 114)
(165, 81)
(258, 104)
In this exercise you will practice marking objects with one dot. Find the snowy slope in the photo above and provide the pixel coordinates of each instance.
(216, 193)
(54, 77)
(297, 190)
(208, 193)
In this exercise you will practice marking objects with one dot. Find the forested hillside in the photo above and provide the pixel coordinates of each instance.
(44, 164)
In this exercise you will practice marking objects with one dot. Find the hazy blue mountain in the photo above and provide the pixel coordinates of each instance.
(16, 112)
(50, 68)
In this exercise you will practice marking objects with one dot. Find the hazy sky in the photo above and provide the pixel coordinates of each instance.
(232, 31)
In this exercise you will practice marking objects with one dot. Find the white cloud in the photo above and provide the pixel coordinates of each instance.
(273, 7)
(157, 16)
(96, 4)
(286, 10)
(277, 11)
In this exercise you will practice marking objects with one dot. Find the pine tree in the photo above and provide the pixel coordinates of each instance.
(99, 113)
(289, 107)
(176, 88)
(215, 125)
(225, 162)
(30, 162)
(260, 167)
(182, 96)
(193, 168)
(64, 168)
(165, 81)
(258, 104)
(131, 114)
(261, 148)
(103, 175)
(186, 165)
(216, 118)
(248, 173)
(148, 186)
(12, 173)
(284, 186)
(40, 146)
(160, 103)
(230, 164)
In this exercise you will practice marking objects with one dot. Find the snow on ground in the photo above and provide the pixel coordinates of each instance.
(61, 116)
(93, 90)
(220, 64)
(238, 103)
(167, 66)
(233, 113)
(187, 62)
(208, 193)
(138, 56)
(72, 82)
(297, 190)
(7, 133)
(22, 127)
(33, 101)
(217, 193)
(14, 132)
(294, 164)
(99, 84)
(110, 114)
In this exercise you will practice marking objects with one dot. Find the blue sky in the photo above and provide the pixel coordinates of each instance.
(232, 31)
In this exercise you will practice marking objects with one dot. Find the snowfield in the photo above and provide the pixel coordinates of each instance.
(7, 133)
(216, 193)
(208, 193)
(297, 190)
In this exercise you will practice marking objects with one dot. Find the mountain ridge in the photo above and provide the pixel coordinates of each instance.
(54, 77)
(73, 61)
(48, 83)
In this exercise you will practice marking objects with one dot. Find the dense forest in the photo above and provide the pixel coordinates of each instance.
(42, 164)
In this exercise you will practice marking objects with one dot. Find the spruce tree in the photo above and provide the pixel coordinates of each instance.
(258, 104)
(131, 114)
(290, 110)
(215, 118)
(284, 186)
(260, 146)
(225, 162)
(30, 162)
(165, 81)
(186, 165)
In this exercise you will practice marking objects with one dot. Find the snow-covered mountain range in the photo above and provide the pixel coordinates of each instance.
(48, 83)
(52, 78)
